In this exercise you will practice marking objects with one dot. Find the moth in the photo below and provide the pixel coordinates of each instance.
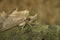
(20, 18)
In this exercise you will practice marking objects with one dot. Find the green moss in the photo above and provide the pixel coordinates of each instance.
(32, 33)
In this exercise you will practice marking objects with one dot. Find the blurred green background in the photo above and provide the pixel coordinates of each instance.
(44, 32)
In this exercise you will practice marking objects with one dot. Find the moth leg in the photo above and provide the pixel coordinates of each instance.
(22, 24)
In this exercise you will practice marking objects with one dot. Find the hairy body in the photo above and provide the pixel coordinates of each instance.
(14, 19)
